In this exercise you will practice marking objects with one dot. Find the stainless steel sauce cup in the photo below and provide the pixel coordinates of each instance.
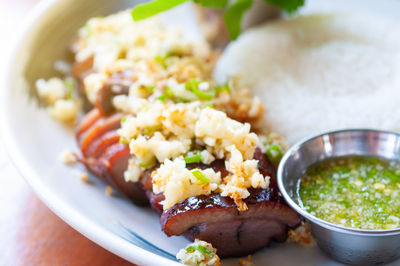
(347, 245)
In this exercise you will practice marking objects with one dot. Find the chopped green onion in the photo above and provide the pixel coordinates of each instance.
(168, 94)
(150, 89)
(147, 164)
(123, 119)
(209, 106)
(219, 89)
(69, 82)
(151, 129)
(161, 60)
(202, 249)
(193, 159)
(122, 140)
(161, 98)
(192, 84)
(274, 153)
(200, 176)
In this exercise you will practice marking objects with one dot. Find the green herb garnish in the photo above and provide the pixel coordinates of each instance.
(152, 8)
(233, 17)
(151, 129)
(149, 89)
(70, 84)
(123, 119)
(147, 165)
(161, 98)
(274, 153)
(219, 89)
(233, 11)
(193, 159)
(122, 140)
(161, 60)
(202, 249)
(192, 85)
(200, 176)
(216, 4)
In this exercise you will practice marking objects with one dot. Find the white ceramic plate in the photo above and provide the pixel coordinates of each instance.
(34, 141)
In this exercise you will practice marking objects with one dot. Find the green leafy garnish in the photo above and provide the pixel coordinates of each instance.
(233, 12)
(151, 129)
(233, 17)
(168, 94)
(202, 249)
(147, 165)
(161, 60)
(287, 5)
(200, 176)
(193, 159)
(216, 4)
(149, 89)
(122, 140)
(70, 84)
(152, 8)
(219, 89)
(123, 119)
(192, 85)
(274, 153)
(161, 98)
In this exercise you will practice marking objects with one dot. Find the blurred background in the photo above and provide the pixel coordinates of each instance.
(30, 233)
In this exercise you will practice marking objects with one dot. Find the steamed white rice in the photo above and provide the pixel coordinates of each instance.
(321, 72)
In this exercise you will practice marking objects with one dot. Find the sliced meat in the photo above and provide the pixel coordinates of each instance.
(239, 237)
(104, 156)
(97, 147)
(87, 121)
(212, 218)
(217, 220)
(116, 84)
(98, 128)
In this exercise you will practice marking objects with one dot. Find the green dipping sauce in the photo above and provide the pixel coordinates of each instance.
(357, 192)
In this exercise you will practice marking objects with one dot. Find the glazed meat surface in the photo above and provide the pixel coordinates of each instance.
(212, 218)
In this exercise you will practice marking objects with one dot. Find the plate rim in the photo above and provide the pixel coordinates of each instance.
(96, 233)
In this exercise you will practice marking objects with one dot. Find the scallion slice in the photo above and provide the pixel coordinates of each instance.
(202, 249)
(274, 153)
(147, 164)
(200, 176)
(219, 89)
(192, 84)
(69, 82)
(193, 159)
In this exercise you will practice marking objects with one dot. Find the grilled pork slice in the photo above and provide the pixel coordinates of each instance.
(116, 84)
(217, 220)
(104, 156)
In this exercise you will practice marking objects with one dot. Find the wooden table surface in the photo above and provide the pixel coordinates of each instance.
(30, 234)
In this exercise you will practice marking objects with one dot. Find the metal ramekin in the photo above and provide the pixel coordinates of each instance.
(350, 246)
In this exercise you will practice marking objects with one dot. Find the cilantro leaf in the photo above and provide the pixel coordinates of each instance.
(287, 5)
(152, 8)
(233, 17)
(233, 14)
(216, 4)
